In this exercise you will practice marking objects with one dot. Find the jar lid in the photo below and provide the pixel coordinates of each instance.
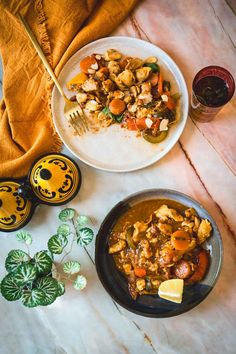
(55, 179)
(15, 211)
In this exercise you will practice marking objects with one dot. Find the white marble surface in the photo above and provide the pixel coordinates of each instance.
(202, 165)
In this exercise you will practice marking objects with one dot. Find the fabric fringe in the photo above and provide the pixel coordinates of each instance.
(46, 47)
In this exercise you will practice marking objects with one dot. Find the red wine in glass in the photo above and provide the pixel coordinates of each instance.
(213, 87)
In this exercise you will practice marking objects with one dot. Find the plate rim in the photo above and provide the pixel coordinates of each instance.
(162, 153)
(98, 268)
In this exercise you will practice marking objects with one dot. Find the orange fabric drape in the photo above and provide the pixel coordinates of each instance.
(61, 28)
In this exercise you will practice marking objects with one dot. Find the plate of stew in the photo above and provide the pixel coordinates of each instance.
(156, 237)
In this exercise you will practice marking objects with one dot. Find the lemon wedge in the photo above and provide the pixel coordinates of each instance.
(172, 290)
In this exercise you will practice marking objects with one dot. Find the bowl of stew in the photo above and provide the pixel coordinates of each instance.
(153, 236)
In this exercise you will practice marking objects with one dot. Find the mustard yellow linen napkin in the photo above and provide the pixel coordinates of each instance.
(61, 28)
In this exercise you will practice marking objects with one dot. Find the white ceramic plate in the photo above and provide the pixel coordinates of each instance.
(116, 149)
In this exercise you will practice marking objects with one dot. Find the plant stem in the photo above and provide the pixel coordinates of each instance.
(69, 251)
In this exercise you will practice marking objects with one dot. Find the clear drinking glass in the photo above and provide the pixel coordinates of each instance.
(212, 88)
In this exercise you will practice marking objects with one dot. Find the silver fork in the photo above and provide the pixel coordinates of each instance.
(72, 110)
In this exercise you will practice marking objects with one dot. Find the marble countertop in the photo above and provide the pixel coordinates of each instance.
(195, 34)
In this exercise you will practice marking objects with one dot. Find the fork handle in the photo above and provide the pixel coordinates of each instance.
(41, 54)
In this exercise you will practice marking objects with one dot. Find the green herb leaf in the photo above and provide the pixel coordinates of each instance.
(49, 286)
(66, 214)
(24, 273)
(63, 229)
(82, 220)
(116, 117)
(176, 96)
(155, 67)
(32, 298)
(24, 236)
(106, 110)
(80, 282)
(71, 267)
(84, 236)
(61, 288)
(42, 262)
(9, 289)
(16, 258)
(57, 243)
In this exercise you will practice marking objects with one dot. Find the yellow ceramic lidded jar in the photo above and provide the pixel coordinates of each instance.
(54, 179)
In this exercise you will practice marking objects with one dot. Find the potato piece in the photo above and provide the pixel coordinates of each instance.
(117, 247)
(112, 54)
(165, 228)
(142, 73)
(204, 230)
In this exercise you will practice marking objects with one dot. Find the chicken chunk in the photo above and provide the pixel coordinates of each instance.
(117, 247)
(90, 85)
(138, 228)
(127, 78)
(204, 230)
(140, 284)
(114, 67)
(112, 54)
(190, 212)
(127, 268)
(164, 211)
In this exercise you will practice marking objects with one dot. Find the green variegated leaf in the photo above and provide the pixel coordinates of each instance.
(82, 220)
(71, 267)
(66, 214)
(80, 282)
(61, 288)
(42, 262)
(63, 229)
(25, 273)
(9, 289)
(16, 258)
(32, 298)
(57, 243)
(24, 236)
(49, 286)
(84, 236)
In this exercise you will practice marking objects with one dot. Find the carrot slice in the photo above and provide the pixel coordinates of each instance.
(131, 125)
(140, 123)
(160, 84)
(117, 106)
(140, 272)
(180, 240)
(85, 63)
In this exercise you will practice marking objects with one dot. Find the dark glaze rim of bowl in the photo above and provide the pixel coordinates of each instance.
(116, 284)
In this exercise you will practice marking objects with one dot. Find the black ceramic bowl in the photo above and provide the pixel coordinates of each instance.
(152, 305)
